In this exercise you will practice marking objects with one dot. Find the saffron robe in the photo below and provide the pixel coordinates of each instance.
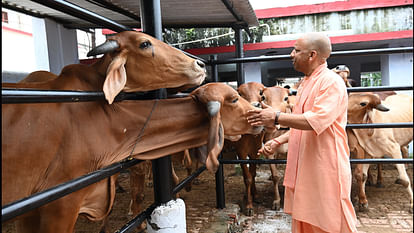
(318, 173)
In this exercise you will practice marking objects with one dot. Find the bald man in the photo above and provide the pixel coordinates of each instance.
(318, 174)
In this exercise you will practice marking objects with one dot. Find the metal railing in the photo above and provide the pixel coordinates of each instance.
(9, 96)
(220, 184)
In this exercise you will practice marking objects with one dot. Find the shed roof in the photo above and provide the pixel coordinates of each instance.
(174, 13)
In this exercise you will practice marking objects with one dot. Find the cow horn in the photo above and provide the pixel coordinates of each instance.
(108, 46)
(213, 107)
(381, 107)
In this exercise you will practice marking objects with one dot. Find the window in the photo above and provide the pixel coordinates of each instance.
(370, 79)
(4, 17)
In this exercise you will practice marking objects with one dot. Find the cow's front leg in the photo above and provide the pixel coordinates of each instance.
(57, 216)
(248, 184)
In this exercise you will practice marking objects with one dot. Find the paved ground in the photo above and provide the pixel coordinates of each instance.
(388, 209)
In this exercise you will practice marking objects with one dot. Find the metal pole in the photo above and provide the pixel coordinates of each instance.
(161, 168)
(220, 196)
(239, 54)
(19, 207)
(214, 68)
(79, 12)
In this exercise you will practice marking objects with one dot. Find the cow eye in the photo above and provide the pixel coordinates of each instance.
(235, 100)
(286, 98)
(145, 45)
(263, 97)
(363, 104)
(261, 92)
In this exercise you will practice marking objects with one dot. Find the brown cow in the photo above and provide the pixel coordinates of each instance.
(39, 76)
(278, 99)
(367, 108)
(248, 145)
(77, 147)
(75, 139)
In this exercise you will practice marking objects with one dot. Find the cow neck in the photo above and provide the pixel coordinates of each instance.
(101, 65)
(174, 125)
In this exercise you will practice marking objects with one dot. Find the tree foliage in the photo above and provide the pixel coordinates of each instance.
(219, 37)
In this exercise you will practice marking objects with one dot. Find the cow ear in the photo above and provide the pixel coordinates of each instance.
(115, 78)
(215, 139)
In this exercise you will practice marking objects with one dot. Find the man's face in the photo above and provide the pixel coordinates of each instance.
(300, 56)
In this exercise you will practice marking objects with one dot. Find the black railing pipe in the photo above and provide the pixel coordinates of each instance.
(24, 205)
(135, 222)
(220, 195)
(214, 68)
(333, 54)
(240, 54)
(161, 168)
(380, 125)
(13, 95)
(381, 88)
(188, 179)
(283, 161)
(79, 12)
(195, 57)
(17, 96)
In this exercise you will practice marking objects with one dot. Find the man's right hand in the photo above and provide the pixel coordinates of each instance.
(269, 148)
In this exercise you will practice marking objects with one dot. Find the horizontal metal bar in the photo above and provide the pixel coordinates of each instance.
(333, 54)
(188, 179)
(381, 161)
(76, 11)
(283, 161)
(370, 89)
(380, 125)
(135, 222)
(367, 52)
(24, 205)
(195, 57)
(381, 88)
(16, 96)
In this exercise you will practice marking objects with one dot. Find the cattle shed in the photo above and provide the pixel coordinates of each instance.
(62, 17)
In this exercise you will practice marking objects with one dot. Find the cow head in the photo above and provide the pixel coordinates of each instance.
(277, 98)
(226, 109)
(252, 92)
(361, 108)
(140, 62)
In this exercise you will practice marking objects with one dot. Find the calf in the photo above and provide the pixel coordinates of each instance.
(278, 98)
(248, 145)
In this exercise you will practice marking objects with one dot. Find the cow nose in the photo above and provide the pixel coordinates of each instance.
(257, 105)
(201, 64)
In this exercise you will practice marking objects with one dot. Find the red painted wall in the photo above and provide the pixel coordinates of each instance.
(289, 43)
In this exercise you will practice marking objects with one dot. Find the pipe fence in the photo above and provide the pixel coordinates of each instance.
(15, 96)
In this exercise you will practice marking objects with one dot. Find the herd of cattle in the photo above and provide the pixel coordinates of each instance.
(46, 144)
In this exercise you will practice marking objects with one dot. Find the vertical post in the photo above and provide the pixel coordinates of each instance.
(161, 168)
(220, 196)
(169, 216)
(214, 68)
(239, 54)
